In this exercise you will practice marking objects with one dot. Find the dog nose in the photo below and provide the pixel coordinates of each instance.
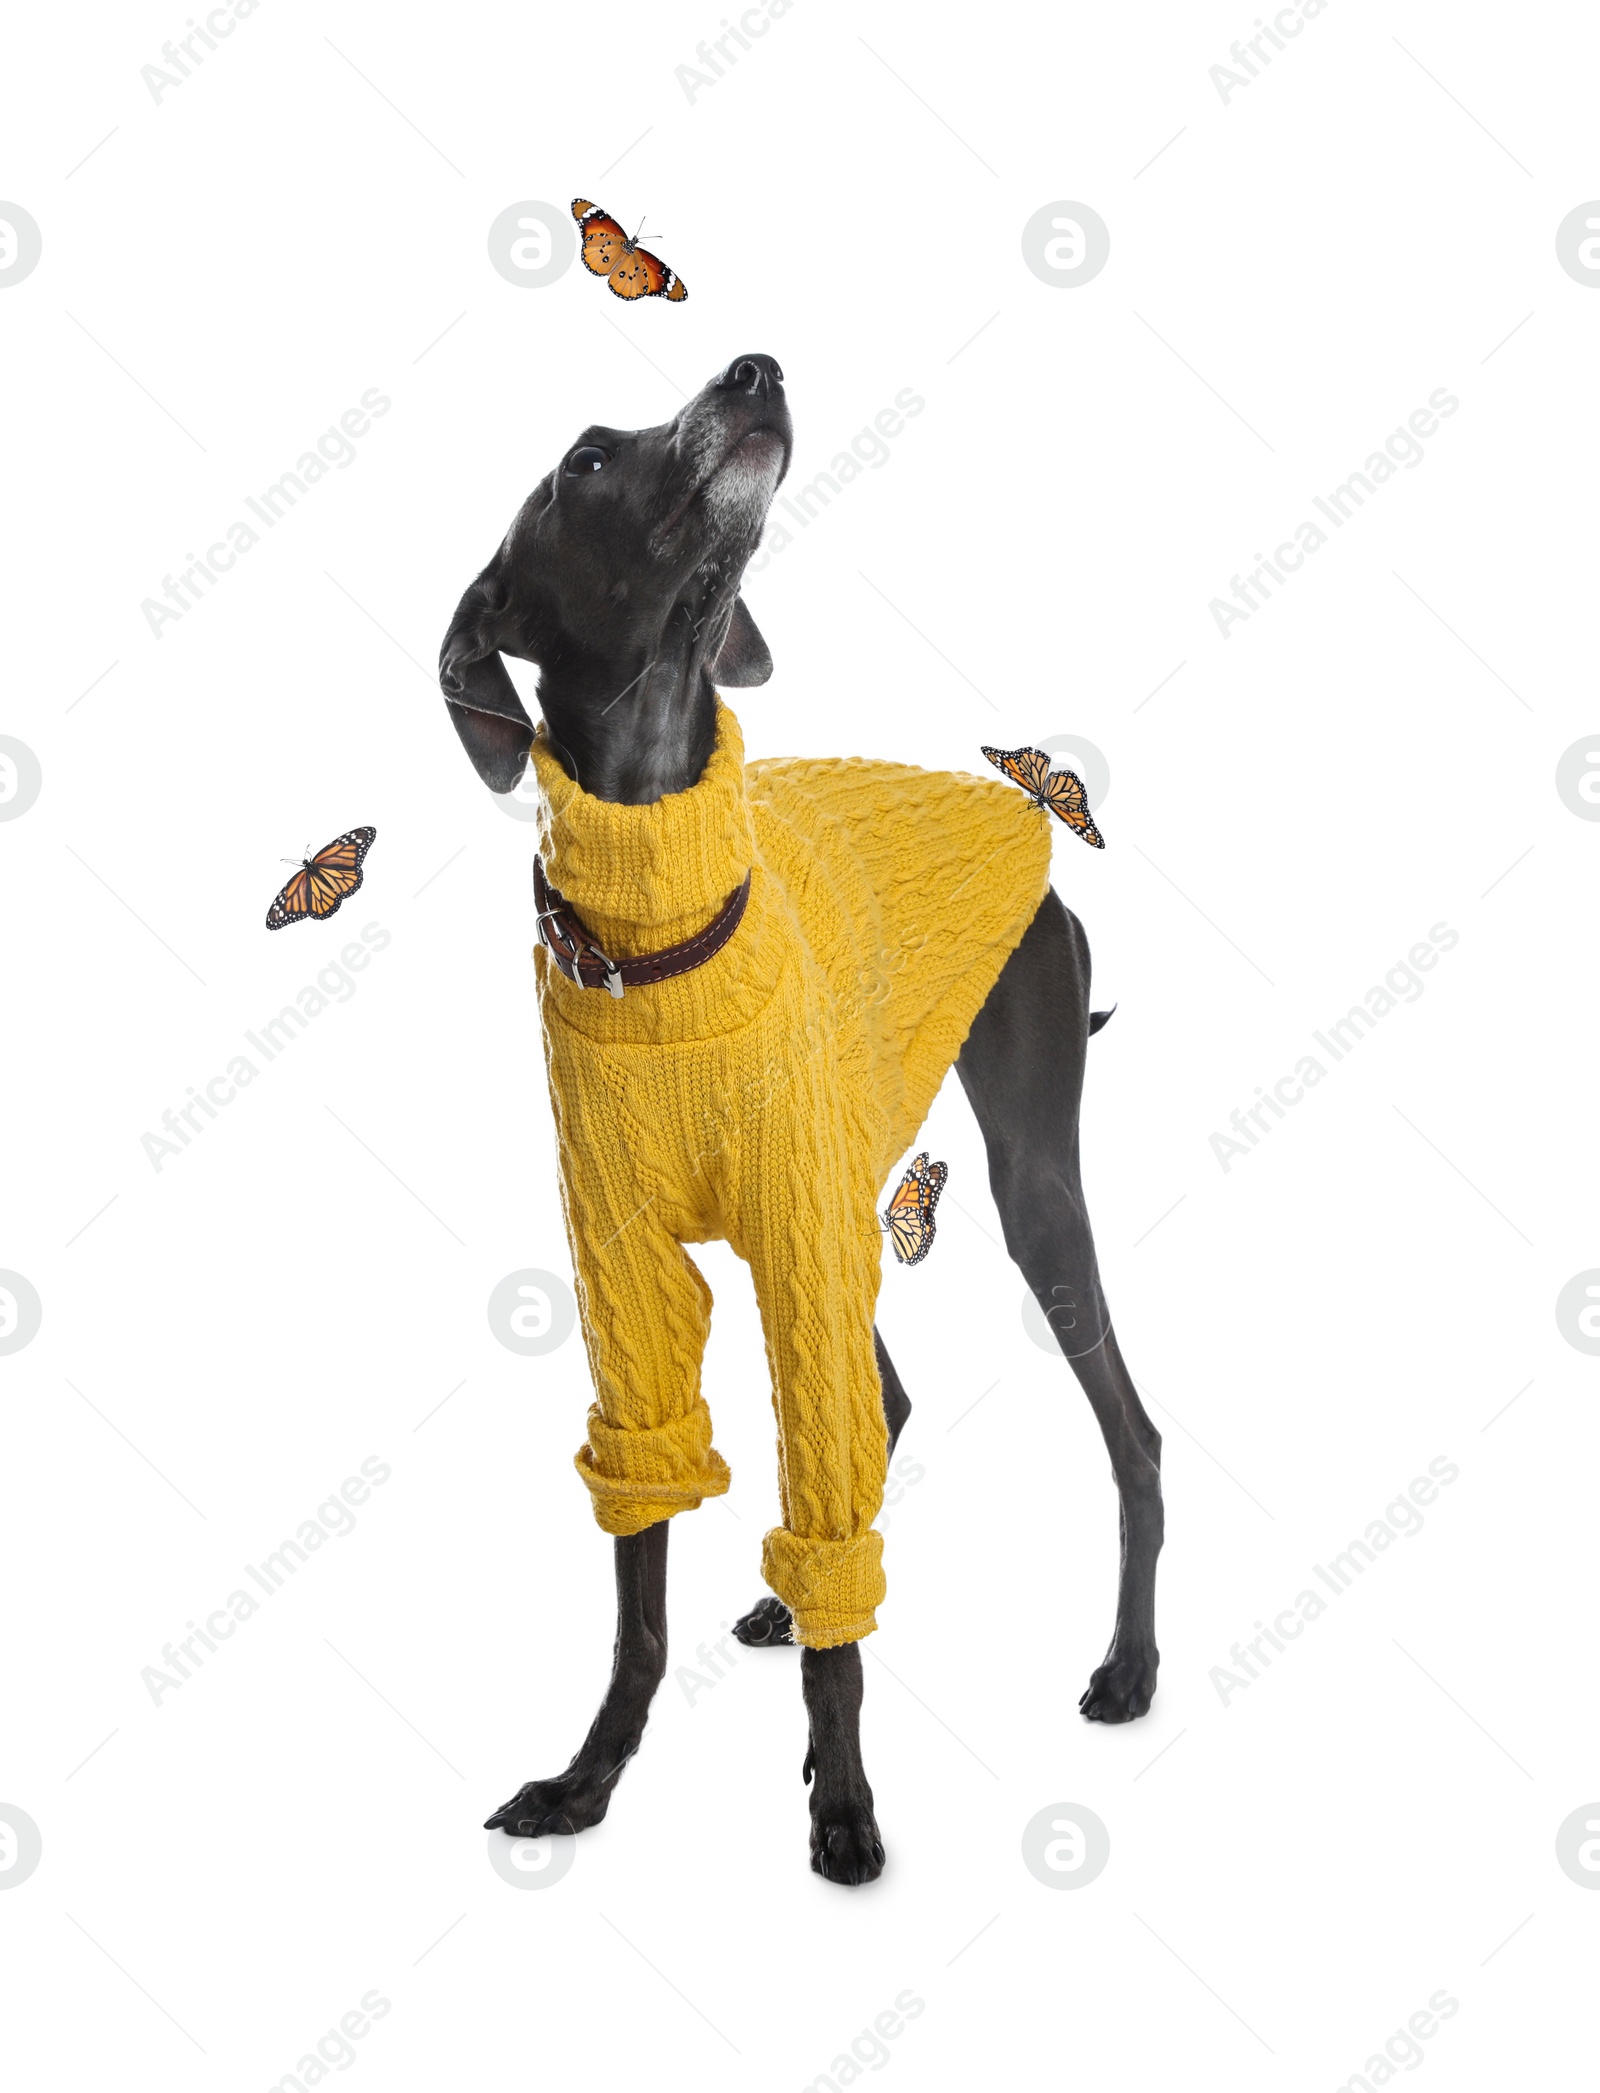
(754, 374)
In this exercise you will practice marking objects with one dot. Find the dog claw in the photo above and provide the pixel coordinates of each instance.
(845, 1846)
(1121, 1689)
(542, 1808)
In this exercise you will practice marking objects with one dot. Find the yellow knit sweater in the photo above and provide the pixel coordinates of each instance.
(763, 1099)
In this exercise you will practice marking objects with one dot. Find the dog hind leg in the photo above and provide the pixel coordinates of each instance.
(572, 1801)
(767, 1624)
(1022, 1069)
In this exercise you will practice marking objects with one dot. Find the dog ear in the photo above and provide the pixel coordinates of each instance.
(744, 660)
(494, 727)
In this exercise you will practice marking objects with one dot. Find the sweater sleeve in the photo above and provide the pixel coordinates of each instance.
(645, 1311)
(809, 1232)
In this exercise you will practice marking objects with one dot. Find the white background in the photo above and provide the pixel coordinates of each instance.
(1369, 1288)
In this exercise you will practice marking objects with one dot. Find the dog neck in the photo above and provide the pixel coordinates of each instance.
(632, 727)
(644, 875)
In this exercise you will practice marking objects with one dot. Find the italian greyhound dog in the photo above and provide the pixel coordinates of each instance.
(620, 578)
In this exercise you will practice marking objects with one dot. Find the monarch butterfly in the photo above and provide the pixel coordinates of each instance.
(1059, 790)
(631, 270)
(322, 882)
(909, 1214)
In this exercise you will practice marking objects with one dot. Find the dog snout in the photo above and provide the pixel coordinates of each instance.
(755, 374)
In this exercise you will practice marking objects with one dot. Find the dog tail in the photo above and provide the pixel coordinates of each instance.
(1097, 1018)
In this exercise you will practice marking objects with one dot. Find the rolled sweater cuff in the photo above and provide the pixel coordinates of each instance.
(830, 1587)
(638, 1478)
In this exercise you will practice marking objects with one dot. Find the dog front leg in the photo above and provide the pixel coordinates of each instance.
(572, 1801)
(768, 1625)
(845, 1846)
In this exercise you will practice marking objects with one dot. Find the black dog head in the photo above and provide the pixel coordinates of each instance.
(620, 578)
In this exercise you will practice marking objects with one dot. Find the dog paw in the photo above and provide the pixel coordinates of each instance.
(845, 1846)
(1121, 1690)
(767, 1625)
(566, 1805)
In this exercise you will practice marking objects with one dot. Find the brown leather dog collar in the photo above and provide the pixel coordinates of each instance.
(580, 958)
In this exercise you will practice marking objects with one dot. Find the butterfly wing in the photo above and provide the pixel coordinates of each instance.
(909, 1235)
(335, 872)
(641, 274)
(665, 282)
(907, 1195)
(1064, 795)
(1028, 768)
(348, 849)
(637, 275)
(932, 1180)
(903, 1219)
(293, 903)
(603, 239)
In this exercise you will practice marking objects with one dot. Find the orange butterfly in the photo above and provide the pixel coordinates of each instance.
(1059, 790)
(322, 882)
(631, 270)
(909, 1214)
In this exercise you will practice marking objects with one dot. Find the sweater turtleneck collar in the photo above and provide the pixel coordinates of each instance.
(642, 877)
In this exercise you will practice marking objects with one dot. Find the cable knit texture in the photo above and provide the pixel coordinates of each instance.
(763, 1100)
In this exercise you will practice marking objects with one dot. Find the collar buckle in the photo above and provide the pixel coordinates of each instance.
(572, 947)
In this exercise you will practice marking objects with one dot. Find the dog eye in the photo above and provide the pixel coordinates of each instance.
(588, 458)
